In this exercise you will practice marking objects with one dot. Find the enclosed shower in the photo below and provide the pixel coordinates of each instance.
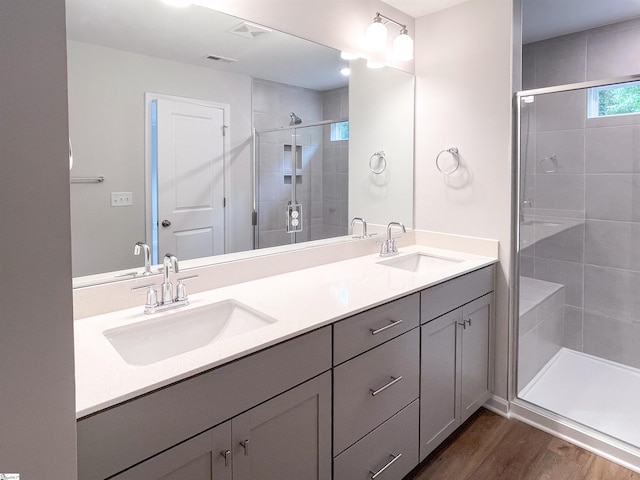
(301, 182)
(578, 251)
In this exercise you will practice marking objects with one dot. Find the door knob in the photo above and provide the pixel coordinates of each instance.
(166, 223)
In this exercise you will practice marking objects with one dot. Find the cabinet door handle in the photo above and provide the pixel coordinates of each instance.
(469, 321)
(393, 381)
(464, 324)
(375, 475)
(226, 454)
(382, 329)
(245, 445)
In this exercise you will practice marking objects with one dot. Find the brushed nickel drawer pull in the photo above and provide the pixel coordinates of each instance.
(245, 445)
(382, 389)
(226, 454)
(375, 475)
(382, 329)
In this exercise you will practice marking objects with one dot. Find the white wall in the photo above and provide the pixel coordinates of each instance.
(37, 414)
(336, 23)
(381, 118)
(107, 127)
(463, 99)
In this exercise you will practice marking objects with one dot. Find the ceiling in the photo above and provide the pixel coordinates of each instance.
(188, 35)
(543, 19)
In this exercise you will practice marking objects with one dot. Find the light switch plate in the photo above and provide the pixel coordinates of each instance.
(121, 199)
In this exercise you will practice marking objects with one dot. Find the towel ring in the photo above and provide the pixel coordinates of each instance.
(381, 158)
(454, 153)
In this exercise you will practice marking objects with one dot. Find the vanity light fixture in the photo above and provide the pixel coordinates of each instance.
(376, 38)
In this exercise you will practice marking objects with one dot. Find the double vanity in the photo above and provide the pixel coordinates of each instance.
(355, 369)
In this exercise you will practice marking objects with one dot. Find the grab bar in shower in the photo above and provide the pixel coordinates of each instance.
(86, 179)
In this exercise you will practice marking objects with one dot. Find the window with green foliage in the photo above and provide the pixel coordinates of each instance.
(339, 131)
(621, 99)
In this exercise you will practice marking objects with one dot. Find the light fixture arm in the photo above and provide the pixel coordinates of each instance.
(379, 16)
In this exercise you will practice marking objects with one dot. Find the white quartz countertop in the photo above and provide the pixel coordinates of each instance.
(300, 301)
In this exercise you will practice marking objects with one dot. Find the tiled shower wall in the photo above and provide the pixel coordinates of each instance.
(596, 183)
(321, 178)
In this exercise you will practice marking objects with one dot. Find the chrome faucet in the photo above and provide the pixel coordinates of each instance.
(138, 247)
(170, 262)
(389, 247)
(167, 300)
(364, 226)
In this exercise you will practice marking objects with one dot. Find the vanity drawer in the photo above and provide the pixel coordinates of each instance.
(366, 330)
(447, 296)
(357, 410)
(117, 438)
(397, 437)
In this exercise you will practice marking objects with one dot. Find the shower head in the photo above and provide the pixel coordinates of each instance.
(295, 120)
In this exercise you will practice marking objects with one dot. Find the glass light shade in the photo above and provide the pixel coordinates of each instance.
(403, 47)
(376, 37)
(348, 56)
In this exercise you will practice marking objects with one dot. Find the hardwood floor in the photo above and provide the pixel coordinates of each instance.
(490, 447)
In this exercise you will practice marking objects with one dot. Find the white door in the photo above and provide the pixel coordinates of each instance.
(190, 179)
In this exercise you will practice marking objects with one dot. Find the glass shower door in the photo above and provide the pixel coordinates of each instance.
(579, 261)
(301, 173)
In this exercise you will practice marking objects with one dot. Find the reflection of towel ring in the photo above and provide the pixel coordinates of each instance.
(454, 153)
(382, 159)
(549, 164)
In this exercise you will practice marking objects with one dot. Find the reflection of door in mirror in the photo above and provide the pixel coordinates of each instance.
(187, 153)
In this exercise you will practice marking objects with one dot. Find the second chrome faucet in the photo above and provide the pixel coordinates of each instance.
(389, 247)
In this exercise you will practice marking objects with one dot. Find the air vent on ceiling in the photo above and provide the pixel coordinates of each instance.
(221, 59)
(249, 30)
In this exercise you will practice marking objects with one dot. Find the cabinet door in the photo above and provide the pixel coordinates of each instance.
(287, 437)
(200, 458)
(439, 399)
(476, 385)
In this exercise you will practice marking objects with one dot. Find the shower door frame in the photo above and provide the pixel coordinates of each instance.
(585, 437)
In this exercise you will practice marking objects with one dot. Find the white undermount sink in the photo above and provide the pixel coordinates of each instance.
(420, 262)
(179, 331)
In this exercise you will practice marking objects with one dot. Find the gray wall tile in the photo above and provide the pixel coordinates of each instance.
(613, 149)
(565, 245)
(568, 146)
(559, 192)
(529, 67)
(572, 335)
(612, 292)
(613, 54)
(612, 244)
(561, 111)
(613, 197)
(612, 339)
(561, 60)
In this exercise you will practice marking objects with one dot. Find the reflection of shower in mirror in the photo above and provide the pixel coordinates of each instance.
(295, 120)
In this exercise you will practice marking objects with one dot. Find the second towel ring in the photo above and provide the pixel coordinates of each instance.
(454, 153)
(382, 159)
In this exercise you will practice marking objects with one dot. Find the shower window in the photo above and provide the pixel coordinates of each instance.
(612, 100)
(339, 131)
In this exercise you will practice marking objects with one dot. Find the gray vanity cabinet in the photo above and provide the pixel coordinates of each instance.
(287, 437)
(376, 380)
(455, 360)
(200, 458)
